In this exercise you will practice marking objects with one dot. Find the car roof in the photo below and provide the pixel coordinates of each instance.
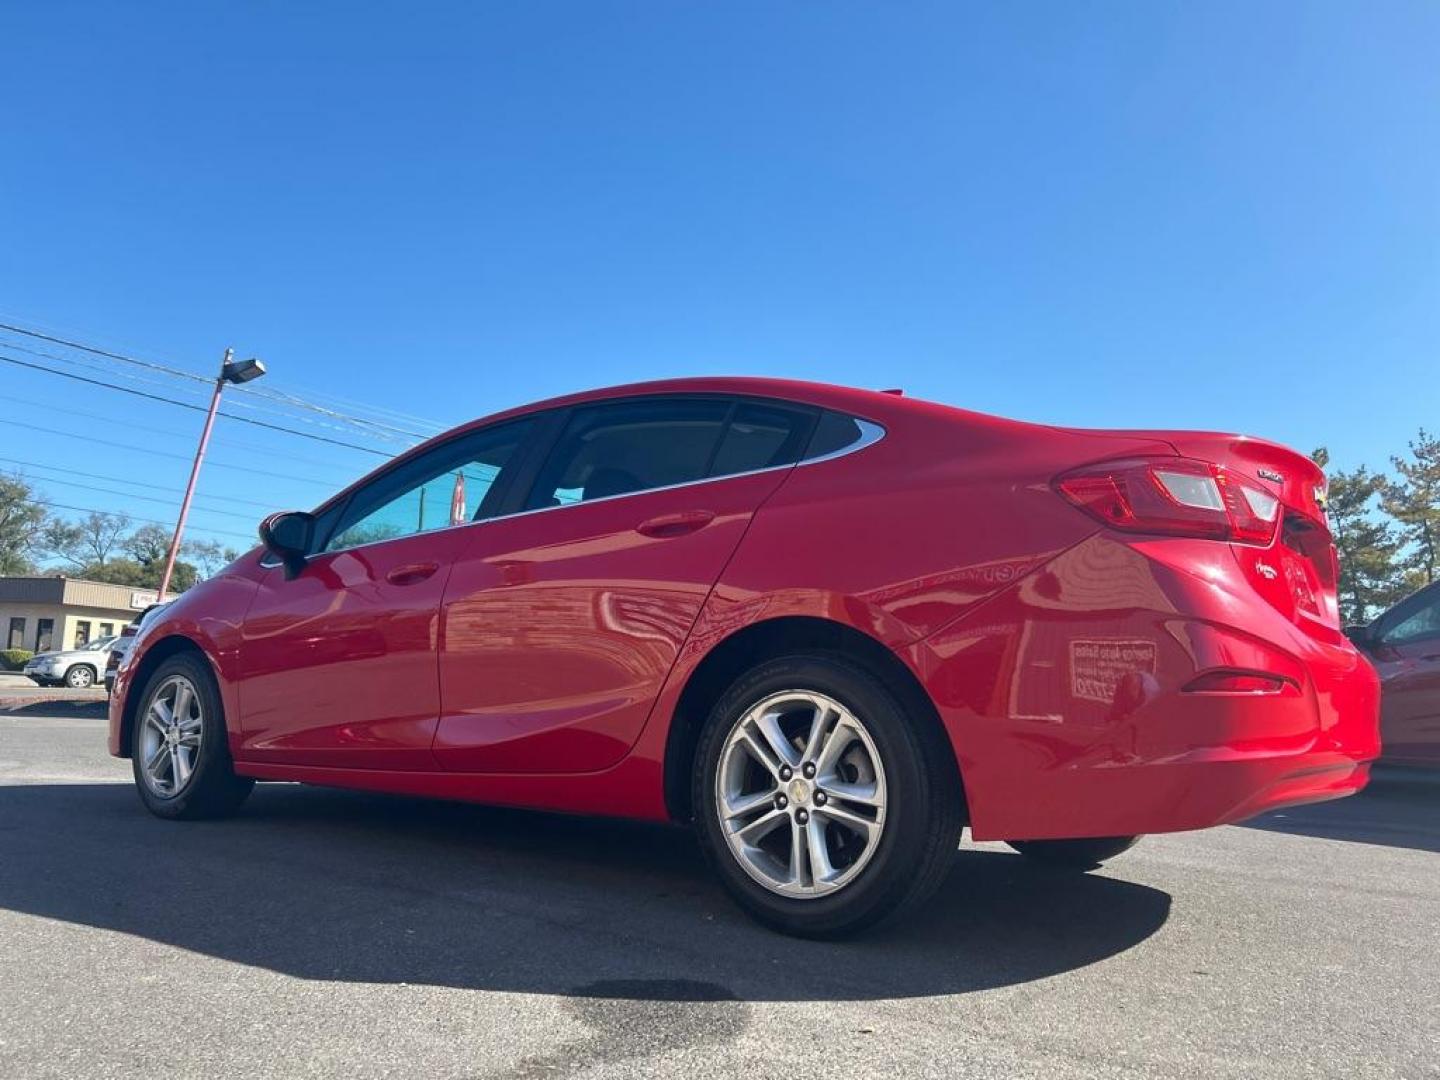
(814, 393)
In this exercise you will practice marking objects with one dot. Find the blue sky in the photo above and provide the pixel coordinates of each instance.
(1193, 215)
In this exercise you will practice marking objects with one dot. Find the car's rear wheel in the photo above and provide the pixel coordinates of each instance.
(80, 677)
(1082, 854)
(179, 751)
(822, 805)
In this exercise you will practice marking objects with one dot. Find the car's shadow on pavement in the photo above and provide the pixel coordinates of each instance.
(67, 704)
(339, 886)
(1399, 808)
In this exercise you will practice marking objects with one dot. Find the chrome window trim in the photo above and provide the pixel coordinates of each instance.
(870, 434)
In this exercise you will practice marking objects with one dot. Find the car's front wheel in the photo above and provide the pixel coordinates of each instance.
(179, 752)
(823, 805)
(1082, 854)
(80, 677)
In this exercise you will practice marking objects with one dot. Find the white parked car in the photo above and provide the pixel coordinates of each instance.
(78, 668)
(124, 641)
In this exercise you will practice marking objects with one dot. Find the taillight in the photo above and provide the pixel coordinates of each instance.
(1176, 497)
(1311, 568)
(1239, 682)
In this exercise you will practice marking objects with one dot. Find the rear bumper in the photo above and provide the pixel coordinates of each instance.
(1156, 797)
(1064, 701)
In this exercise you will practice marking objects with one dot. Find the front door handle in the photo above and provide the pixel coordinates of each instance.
(665, 526)
(412, 573)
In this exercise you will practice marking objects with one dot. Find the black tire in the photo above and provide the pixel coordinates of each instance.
(924, 811)
(1082, 854)
(80, 677)
(213, 789)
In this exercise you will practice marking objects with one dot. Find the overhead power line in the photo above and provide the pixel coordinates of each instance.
(177, 457)
(386, 430)
(92, 367)
(194, 407)
(151, 498)
(71, 484)
(130, 483)
(343, 403)
(188, 436)
(178, 372)
(292, 400)
(250, 537)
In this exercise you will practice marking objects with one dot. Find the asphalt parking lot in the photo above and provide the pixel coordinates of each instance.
(329, 934)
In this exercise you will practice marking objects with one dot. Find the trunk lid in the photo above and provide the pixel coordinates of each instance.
(1298, 572)
(1296, 480)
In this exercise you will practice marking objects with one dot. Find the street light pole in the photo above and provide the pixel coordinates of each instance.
(230, 372)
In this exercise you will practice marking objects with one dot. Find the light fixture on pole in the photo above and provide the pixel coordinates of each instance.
(231, 371)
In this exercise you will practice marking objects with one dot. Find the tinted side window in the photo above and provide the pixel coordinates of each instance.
(447, 486)
(833, 433)
(761, 436)
(1421, 626)
(629, 446)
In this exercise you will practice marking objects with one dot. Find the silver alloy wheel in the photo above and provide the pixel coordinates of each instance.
(80, 677)
(800, 794)
(170, 737)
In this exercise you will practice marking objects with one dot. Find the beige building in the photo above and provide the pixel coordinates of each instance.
(45, 613)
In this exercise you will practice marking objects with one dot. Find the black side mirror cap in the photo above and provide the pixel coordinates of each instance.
(1360, 635)
(288, 536)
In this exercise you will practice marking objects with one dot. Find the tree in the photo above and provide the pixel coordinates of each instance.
(1369, 578)
(86, 543)
(1414, 501)
(209, 556)
(148, 544)
(22, 519)
(148, 547)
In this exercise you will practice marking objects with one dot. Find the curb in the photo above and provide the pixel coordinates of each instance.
(10, 704)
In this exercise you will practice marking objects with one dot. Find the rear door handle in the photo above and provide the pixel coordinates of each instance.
(667, 525)
(411, 574)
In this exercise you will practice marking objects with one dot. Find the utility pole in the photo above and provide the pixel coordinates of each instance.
(230, 372)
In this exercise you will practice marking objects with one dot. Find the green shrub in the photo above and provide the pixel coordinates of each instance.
(14, 659)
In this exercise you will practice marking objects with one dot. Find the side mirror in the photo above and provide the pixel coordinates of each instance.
(288, 536)
(1362, 636)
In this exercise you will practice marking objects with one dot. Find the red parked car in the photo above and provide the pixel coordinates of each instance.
(830, 627)
(1404, 645)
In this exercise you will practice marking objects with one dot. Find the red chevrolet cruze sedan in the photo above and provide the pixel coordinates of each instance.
(830, 627)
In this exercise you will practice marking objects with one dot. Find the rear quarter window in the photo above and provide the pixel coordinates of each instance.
(835, 432)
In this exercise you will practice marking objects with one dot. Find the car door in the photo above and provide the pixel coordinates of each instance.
(561, 621)
(338, 664)
(1407, 657)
